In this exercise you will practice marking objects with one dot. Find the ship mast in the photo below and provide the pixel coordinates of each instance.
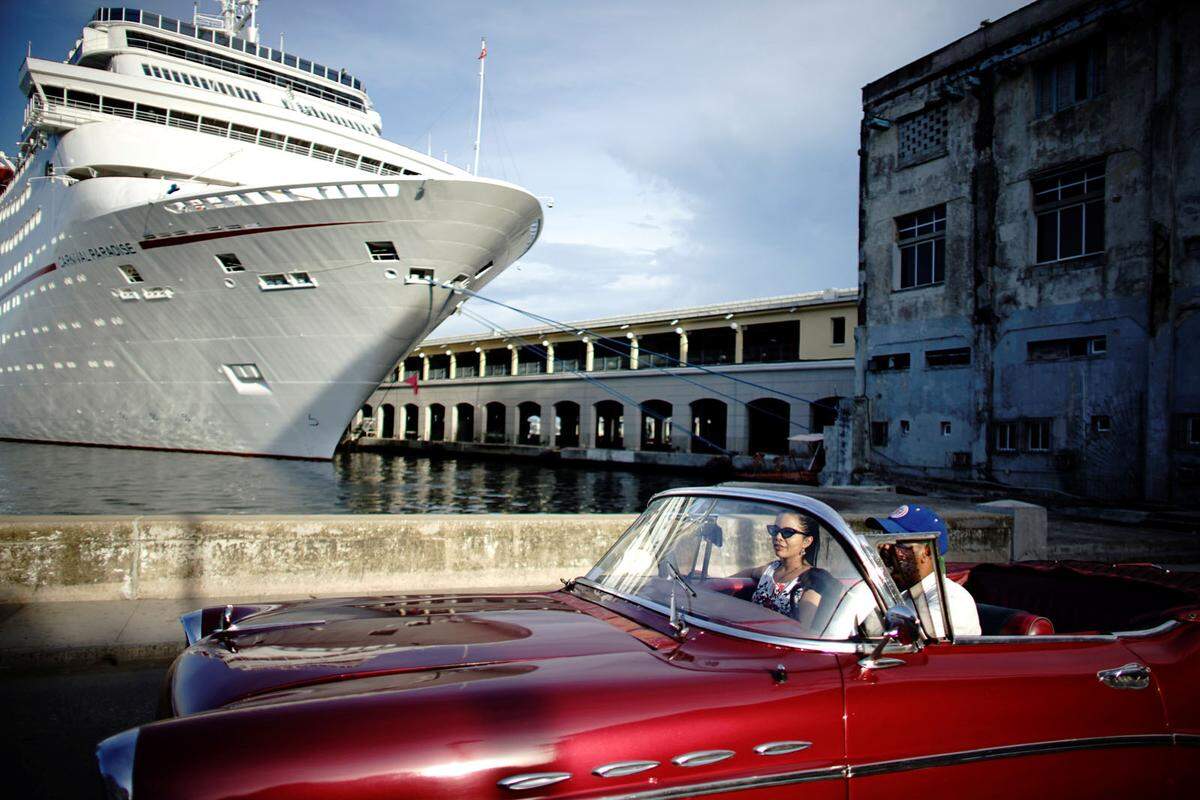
(238, 17)
(479, 122)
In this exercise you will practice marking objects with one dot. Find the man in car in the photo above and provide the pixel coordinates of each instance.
(914, 570)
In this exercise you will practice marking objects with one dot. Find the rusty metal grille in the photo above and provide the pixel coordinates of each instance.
(923, 136)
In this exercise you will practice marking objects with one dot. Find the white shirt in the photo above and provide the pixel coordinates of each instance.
(858, 606)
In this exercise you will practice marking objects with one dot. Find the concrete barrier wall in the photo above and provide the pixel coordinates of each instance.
(106, 558)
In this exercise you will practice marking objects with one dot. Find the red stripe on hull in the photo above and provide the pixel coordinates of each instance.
(33, 277)
(164, 449)
(150, 244)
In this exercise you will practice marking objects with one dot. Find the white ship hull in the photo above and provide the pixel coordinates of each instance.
(89, 358)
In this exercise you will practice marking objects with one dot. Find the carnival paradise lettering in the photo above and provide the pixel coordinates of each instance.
(97, 253)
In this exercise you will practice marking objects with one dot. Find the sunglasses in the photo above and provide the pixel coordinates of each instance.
(786, 533)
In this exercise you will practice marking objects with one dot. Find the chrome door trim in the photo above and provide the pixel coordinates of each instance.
(734, 784)
(1011, 751)
(781, 748)
(907, 764)
(701, 758)
(619, 769)
(716, 627)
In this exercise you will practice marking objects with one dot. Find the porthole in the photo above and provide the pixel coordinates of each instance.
(391, 274)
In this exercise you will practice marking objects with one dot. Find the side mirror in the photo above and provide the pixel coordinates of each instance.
(899, 626)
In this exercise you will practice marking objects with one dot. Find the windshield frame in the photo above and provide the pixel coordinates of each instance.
(870, 566)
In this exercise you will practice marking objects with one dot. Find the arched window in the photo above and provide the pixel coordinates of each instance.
(566, 424)
(656, 425)
(466, 423)
(411, 420)
(387, 421)
(610, 425)
(437, 422)
(495, 422)
(530, 416)
(708, 425)
(768, 420)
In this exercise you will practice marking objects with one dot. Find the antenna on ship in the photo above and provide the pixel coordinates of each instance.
(479, 121)
(237, 17)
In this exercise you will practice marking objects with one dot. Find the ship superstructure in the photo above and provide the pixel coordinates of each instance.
(206, 244)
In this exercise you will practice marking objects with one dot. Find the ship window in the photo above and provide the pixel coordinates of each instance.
(347, 159)
(289, 61)
(246, 378)
(243, 133)
(420, 275)
(238, 89)
(369, 164)
(175, 76)
(180, 119)
(221, 88)
(322, 152)
(157, 72)
(273, 281)
(298, 146)
(146, 68)
(305, 66)
(187, 79)
(382, 251)
(270, 139)
(131, 274)
(205, 84)
(301, 279)
(257, 99)
(230, 262)
(152, 114)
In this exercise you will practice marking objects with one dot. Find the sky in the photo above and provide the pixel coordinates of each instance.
(696, 152)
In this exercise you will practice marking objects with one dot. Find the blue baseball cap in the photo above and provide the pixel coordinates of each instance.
(914, 519)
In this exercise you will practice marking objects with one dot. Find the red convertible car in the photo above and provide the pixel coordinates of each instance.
(657, 676)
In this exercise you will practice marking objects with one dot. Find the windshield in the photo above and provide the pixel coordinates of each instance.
(754, 565)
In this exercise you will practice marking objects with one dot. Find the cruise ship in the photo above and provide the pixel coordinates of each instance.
(207, 245)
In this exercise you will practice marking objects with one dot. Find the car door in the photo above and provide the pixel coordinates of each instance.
(1006, 717)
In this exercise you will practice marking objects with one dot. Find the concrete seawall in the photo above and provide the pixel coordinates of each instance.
(109, 558)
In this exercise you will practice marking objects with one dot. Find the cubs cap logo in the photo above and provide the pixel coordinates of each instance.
(899, 512)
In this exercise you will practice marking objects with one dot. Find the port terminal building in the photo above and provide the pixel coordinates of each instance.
(675, 387)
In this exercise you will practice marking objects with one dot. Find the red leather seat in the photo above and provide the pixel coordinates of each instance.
(1001, 621)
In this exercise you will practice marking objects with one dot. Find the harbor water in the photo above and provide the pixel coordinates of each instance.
(52, 479)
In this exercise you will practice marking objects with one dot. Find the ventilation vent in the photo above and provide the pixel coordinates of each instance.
(923, 136)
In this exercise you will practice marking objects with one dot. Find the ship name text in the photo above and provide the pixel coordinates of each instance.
(97, 253)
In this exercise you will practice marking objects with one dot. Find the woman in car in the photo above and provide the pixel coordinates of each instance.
(792, 584)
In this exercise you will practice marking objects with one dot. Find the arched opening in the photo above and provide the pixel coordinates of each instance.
(366, 420)
(610, 425)
(656, 425)
(387, 421)
(708, 425)
(437, 422)
(494, 423)
(411, 420)
(466, 423)
(768, 421)
(566, 423)
(824, 412)
(529, 415)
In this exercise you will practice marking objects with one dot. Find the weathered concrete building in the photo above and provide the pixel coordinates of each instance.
(671, 387)
(1029, 232)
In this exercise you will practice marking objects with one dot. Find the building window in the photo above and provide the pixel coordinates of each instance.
(382, 251)
(1063, 349)
(889, 362)
(230, 262)
(905, 427)
(922, 136)
(1187, 431)
(945, 428)
(1005, 437)
(921, 238)
(1074, 75)
(839, 330)
(1101, 423)
(1069, 206)
(951, 357)
(1037, 435)
(879, 434)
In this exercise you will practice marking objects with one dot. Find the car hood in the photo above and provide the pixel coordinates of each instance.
(272, 652)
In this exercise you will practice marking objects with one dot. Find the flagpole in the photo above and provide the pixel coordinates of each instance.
(479, 121)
